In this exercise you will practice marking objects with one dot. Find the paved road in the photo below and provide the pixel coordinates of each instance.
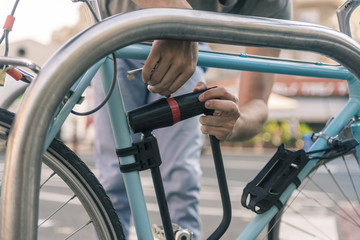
(240, 169)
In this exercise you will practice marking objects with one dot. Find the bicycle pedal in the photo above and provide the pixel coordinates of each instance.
(179, 233)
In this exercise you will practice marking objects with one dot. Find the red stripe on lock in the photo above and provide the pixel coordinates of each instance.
(175, 110)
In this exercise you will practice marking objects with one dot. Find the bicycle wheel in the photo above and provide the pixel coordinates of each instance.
(325, 206)
(71, 197)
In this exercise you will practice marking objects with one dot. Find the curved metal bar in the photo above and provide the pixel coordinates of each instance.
(344, 13)
(19, 62)
(20, 193)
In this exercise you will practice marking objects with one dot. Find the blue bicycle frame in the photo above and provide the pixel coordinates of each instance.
(166, 23)
(217, 60)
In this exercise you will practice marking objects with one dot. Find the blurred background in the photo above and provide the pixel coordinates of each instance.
(298, 105)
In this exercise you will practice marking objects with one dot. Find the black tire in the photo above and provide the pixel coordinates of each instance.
(82, 182)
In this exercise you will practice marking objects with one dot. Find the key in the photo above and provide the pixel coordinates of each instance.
(131, 74)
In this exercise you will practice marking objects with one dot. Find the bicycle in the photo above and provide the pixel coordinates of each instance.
(165, 23)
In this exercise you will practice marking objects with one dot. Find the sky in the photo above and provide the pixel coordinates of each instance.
(36, 19)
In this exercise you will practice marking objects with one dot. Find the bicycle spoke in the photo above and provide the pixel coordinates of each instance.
(79, 229)
(287, 206)
(51, 175)
(297, 228)
(349, 219)
(308, 221)
(341, 190)
(76, 188)
(311, 225)
(57, 210)
(351, 179)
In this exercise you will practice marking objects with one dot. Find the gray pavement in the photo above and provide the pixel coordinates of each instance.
(241, 166)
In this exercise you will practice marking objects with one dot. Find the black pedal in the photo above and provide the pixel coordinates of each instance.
(265, 190)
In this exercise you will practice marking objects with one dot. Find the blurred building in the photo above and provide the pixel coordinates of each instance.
(310, 100)
(319, 99)
(74, 129)
(30, 49)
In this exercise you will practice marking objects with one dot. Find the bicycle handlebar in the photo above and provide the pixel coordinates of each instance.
(16, 61)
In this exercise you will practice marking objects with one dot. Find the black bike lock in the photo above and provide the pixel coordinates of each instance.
(166, 112)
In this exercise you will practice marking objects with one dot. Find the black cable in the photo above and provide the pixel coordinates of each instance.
(6, 31)
(224, 191)
(113, 83)
(330, 156)
(2, 37)
(92, 10)
(162, 203)
(14, 7)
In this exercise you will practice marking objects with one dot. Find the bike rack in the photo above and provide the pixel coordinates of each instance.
(22, 173)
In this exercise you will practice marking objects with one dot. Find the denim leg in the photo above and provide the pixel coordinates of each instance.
(180, 147)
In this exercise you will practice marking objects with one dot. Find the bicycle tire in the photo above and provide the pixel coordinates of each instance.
(322, 200)
(78, 177)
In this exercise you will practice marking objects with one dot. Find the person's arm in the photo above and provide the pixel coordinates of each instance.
(239, 119)
(254, 91)
(170, 62)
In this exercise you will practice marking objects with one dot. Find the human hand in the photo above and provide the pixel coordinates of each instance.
(226, 112)
(169, 65)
